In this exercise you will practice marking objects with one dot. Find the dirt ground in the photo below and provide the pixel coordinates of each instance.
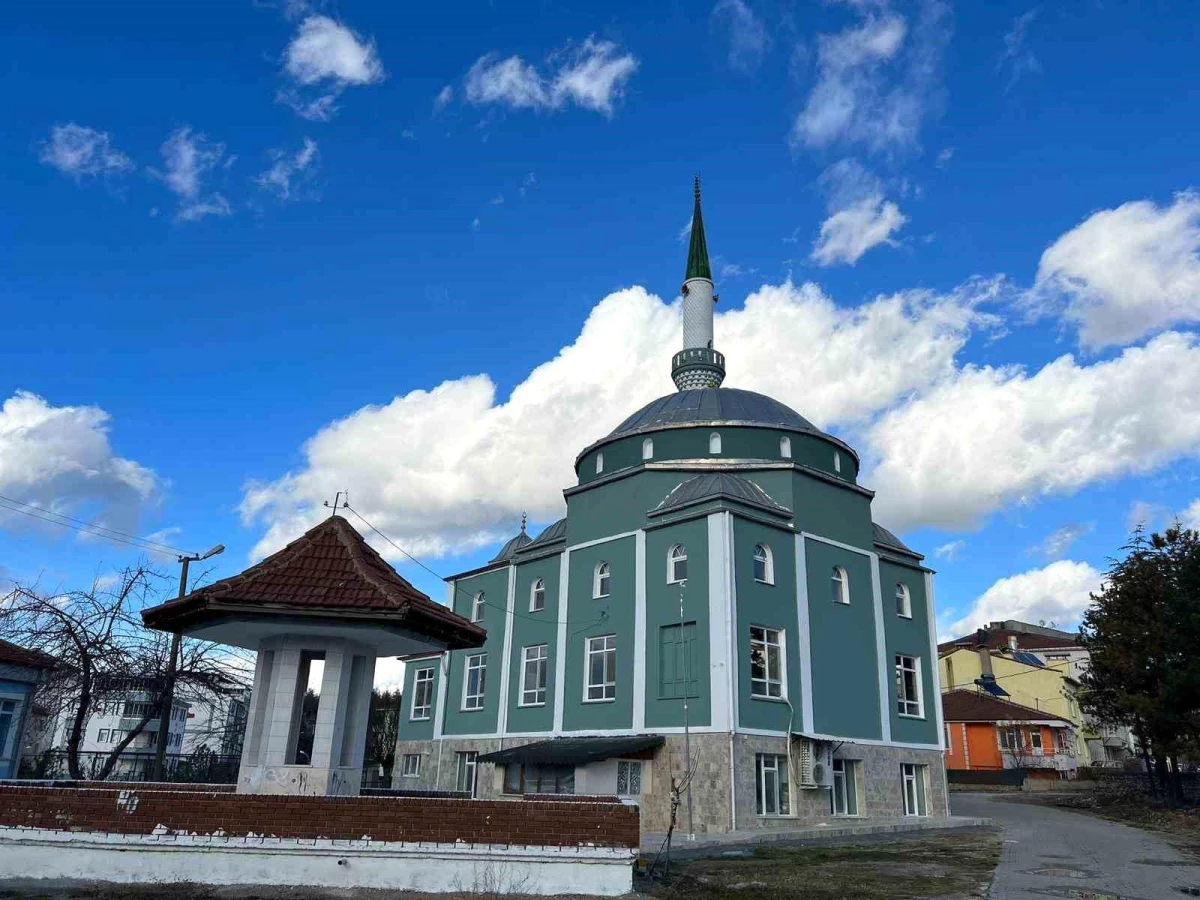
(949, 866)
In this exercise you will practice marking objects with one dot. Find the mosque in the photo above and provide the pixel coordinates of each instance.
(716, 601)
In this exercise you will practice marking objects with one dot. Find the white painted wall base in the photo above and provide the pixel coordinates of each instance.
(33, 853)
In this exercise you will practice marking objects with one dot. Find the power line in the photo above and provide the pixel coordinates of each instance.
(486, 602)
(101, 531)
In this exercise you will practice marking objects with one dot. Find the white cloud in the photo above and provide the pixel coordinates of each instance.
(1146, 515)
(327, 57)
(950, 551)
(849, 233)
(1017, 58)
(747, 35)
(1125, 273)
(944, 156)
(443, 98)
(498, 200)
(592, 75)
(289, 171)
(452, 468)
(528, 183)
(59, 459)
(83, 152)
(1058, 542)
(989, 437)
(1058, 593)
(187, 160)
(1190, 517)
(475, 223)
(876, 80)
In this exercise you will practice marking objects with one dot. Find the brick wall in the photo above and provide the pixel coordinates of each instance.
(122, 785)
(136, 810)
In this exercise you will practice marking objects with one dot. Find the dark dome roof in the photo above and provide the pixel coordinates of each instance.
(711, 406)
(509, 549)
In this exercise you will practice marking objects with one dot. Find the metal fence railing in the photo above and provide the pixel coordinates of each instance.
(194, 768)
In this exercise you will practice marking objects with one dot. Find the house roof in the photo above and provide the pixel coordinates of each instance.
(19, 656)
(328, 569)
(998, 639)
(575, 751)
(719, 484)
(975, 706)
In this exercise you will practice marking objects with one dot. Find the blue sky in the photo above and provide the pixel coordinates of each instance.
(242, 241)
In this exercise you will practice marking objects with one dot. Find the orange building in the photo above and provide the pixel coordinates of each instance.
(986, 733)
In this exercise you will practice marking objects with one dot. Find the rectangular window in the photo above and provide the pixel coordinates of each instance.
(844, 797)
(908, 686)
(474, 681)
(949, 745)
(629, 778)
(467, 767)
(1060, 739)
(601, 672)
(771, 774)
(678, 669)
(1035, 739)
(422, 701)
(766, 662)
(1010, 739)
(533, 675)
(912, 779)
(411, 767)
(101, 738)
(529, 778)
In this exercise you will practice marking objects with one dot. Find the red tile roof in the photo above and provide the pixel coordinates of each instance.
(329, 568)
(976, 706)
(19, 656)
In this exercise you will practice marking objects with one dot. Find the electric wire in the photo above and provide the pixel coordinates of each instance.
(101, 531)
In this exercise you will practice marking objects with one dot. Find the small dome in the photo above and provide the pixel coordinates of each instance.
(713, 406)
(509, 549)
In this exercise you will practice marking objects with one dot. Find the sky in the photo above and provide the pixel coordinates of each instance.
(253, 254)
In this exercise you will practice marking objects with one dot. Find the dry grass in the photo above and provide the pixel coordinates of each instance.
(945, 866)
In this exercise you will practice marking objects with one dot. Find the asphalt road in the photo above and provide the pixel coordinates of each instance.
(1052, 852)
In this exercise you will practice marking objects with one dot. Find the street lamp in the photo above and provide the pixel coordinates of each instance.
(168, 700)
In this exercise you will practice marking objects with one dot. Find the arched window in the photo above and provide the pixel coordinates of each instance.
(764, 564)
(600, 581)
(840, 582)
(537, 595)
(837, 462)
(785, 447)
(648, 449)
(903, 601)
(599, 463)
(714, 442)
(677, 564)
(477, 607)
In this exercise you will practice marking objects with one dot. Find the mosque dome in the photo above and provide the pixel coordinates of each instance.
(713, 406)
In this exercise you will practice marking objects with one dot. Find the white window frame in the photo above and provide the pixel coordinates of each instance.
(467, 764)
(772, 762)
(949, 748)
(1037, 746)
(768, 561)
(837, 462)
(413, 771)
(841, 578)
(630, 766)
(766, 645)
(601, 580)
(672, 559)
(538, 587)
(599, 463)
(843, 770)
(903, 601)
(648, 448)
(911, 774)
(1009, 739)
(534, 654)
(714, 443)
(904, 703)
(475, 701)
(785, 447)
(415, 713)
(600, 644)
(478, 605)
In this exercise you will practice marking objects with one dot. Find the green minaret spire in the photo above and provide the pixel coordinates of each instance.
(697, 263)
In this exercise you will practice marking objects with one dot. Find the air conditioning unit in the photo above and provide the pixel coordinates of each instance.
(814, 763)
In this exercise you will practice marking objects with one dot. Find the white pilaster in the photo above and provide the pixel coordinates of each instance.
(804, 637)
(560, 652)
(934, 670)
(719, 563)
(506, 661)
(439, 707)
(887, 673)
(639, 631)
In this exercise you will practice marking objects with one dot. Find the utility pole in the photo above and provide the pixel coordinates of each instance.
(687, 737)
(168, 695)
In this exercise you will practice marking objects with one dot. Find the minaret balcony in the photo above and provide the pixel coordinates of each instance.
(698, 367)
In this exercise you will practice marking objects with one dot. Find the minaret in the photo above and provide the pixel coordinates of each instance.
(698, 365)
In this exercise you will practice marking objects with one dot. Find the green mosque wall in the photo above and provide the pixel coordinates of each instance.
(910, 637)
(530, 628)
(494, 584)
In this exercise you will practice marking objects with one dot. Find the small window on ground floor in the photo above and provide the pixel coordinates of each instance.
(912, 778)
(467, 768)
(844, 796)
(629, 778)
(412, 765)
(528, 778)
(771, 774)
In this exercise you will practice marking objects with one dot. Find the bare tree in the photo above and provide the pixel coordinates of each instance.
(102, 649)
(383, 727)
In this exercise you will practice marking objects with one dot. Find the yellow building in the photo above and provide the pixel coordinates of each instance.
(1026, 680)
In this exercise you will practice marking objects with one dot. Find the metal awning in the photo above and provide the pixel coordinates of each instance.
(575, 751)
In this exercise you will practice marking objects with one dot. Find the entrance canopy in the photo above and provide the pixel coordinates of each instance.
(328, 583)
(575, 751)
